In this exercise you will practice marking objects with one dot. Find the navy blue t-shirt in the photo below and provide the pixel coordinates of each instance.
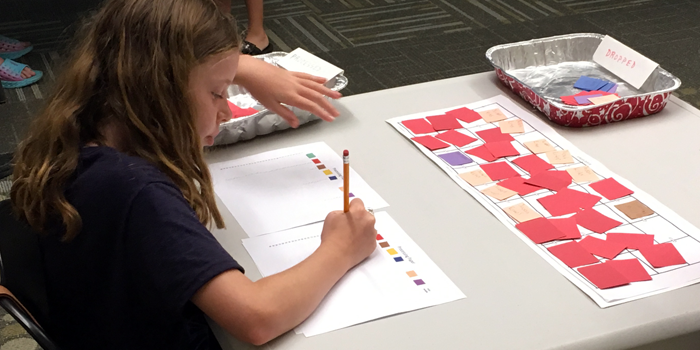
(125, 282)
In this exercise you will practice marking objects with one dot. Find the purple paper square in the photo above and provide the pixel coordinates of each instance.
(584, 99)
(456, 158)
(418, 282)
(613, 89)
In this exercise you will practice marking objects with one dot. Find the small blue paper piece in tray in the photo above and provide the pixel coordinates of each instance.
(592, 84)
(609, 85)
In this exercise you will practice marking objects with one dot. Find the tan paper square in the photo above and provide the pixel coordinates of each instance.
(493, 115)
(522, 212)
(634, 209)
(603, 99)
(560, 157)
(582, 174)
(476, 177)
(539, 146)
(514, 126)
(499, 192)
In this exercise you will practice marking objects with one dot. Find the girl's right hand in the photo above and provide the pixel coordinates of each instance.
(351, 233)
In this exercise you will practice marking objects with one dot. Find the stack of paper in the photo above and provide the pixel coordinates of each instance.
(286, 188)
(397, 277)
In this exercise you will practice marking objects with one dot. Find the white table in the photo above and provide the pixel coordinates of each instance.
(515, 300)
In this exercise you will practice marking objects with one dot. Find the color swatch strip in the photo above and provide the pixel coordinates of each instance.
(322, 167)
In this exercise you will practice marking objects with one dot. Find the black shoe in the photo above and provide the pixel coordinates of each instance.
(249, 48)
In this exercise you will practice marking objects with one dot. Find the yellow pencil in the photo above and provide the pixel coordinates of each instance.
(346, 181)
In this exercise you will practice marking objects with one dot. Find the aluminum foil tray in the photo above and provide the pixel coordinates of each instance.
(265, 121)
(542, 70)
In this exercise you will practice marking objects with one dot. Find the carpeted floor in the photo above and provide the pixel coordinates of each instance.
(381, 44)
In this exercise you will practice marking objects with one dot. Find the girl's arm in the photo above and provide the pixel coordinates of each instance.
(257, 312)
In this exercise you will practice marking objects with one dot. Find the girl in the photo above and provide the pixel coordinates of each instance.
(112, 173)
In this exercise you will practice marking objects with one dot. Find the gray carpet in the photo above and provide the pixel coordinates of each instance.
(384, 43)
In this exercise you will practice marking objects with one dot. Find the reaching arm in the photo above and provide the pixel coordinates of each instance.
(273, 86)
(259, 311)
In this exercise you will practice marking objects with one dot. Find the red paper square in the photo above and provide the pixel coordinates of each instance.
(494, 135)
(518, 184)
(464, 114)
(611, 189)
(547, 179)
(499, 170)
(532, 164)
(379, 237)
(501, 149)
(594, 92)
(632, 269)
(418, 126)
(444, 122)
(572, 254)
(595, 221)
(569, 100)
(456, 138)
(568, 227)
(602, 248)
(568, 201)
(631, 240)
(539, 230)
(238, 112)
(430, 142)
(562, 175)
(482, 152)
(316, 161)
(662, 255)
(603, 276)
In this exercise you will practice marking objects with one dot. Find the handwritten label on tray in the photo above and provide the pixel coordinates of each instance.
(624, 62)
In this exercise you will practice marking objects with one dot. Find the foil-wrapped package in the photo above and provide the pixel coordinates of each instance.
(264, 121)
(543, 70)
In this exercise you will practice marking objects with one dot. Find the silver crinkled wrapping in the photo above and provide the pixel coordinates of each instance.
(265, 121)
(543, 70)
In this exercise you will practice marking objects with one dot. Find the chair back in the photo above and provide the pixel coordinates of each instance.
(21, 267)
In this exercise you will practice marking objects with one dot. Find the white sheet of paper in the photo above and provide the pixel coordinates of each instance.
(301, 60)
(281, 189)
(377, 287)
(666, 225)
(623, 61)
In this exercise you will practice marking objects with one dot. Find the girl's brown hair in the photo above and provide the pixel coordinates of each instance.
(130, 67)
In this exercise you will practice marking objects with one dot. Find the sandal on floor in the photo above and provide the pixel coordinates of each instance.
(249, 48)
(11, 75)
(11, 48)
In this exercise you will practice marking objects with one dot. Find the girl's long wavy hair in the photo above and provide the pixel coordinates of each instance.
(130, 67)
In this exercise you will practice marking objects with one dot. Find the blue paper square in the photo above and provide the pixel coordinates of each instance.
(333, 178)
(586, 83)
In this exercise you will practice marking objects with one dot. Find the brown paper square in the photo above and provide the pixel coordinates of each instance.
(582, 174)
(634, 209)
(493, 115)
(476, 177)
(539, 146)
(514, 126)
